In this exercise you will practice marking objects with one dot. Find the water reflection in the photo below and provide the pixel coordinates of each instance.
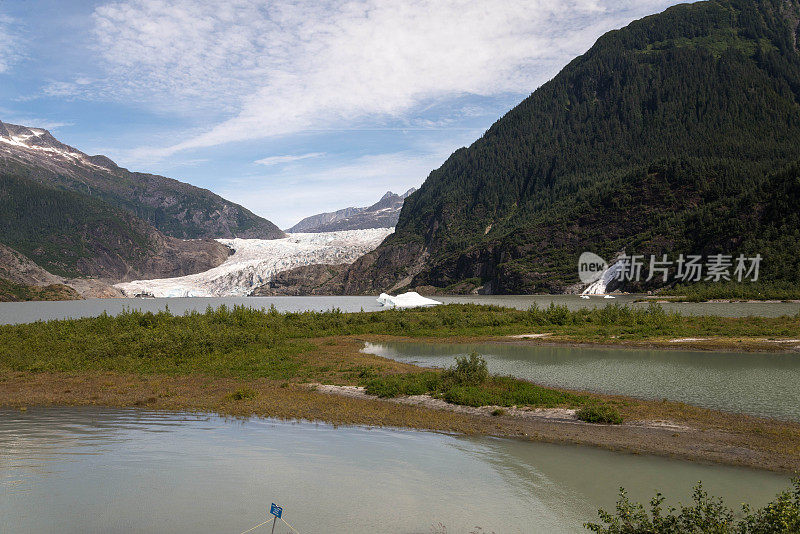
(100, 470)
(754, 383)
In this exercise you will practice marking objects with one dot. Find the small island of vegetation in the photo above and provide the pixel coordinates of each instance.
(311, 366)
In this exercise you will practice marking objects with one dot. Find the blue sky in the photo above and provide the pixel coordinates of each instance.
(287, 107)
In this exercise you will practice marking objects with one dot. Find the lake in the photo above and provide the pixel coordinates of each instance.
(125, 470)
(763, 384)
(25, 312)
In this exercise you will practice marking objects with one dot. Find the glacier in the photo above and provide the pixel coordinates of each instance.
(255, 261)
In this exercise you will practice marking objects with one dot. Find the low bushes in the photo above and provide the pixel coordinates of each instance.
(468, 370)
(469, 383)
(404, 384)
(705, 514)
(599, 413)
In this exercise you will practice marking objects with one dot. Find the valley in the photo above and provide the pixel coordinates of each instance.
(593, 283)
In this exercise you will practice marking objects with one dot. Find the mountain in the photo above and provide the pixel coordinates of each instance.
(175, 208)
(679, 133)
(66, 234)
(382, 214)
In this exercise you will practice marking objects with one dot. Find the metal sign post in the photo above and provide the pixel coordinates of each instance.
(277, 511)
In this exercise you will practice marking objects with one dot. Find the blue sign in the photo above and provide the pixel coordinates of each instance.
(276, 510)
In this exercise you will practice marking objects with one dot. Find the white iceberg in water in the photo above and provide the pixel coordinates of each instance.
(412, 299)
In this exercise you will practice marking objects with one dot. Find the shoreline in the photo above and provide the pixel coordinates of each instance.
(660, 428)
(666, 299)
(245, 362)
(708, 344)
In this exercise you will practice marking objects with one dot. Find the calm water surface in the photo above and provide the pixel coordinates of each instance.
(25, 312)
(104, 470)
(755, 383)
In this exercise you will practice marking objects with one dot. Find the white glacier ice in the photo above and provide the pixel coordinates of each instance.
(255, 261)
(412, 299)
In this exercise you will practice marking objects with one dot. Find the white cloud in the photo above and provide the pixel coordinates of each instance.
(277, 160)
(10, 51)
(273, 69)
(287, 196)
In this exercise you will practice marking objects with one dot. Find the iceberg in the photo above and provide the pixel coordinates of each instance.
(412, 299)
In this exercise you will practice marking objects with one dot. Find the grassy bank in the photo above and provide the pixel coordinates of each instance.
(245, 342)
(248, 344)
(240, 361)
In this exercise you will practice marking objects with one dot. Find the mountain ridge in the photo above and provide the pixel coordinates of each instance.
(175, 208)
(382, 214)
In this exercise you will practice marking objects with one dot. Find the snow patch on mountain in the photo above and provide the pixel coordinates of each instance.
(37, 141)
(255, 261)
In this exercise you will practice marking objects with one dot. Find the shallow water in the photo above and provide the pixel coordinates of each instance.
(754, 383)
(25, 312)
(109, 470)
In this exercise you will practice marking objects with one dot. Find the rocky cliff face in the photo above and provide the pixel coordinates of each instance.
(175, 208)
(382, 214)
(315, 279)
(18, 269)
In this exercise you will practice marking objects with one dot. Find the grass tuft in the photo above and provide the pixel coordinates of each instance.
(600, 414)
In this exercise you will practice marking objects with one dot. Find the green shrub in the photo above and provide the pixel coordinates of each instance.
(467, 395)
(705, 514)
(468, 370)
(467, 383)
(404, 384)
(599, 413)
(554, 314)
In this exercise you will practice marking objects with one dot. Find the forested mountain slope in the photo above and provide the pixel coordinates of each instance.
(73, 235)
(175, 208)
(678, 133)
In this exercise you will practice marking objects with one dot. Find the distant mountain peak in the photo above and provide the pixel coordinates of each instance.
(382, 214)
(41, 144)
